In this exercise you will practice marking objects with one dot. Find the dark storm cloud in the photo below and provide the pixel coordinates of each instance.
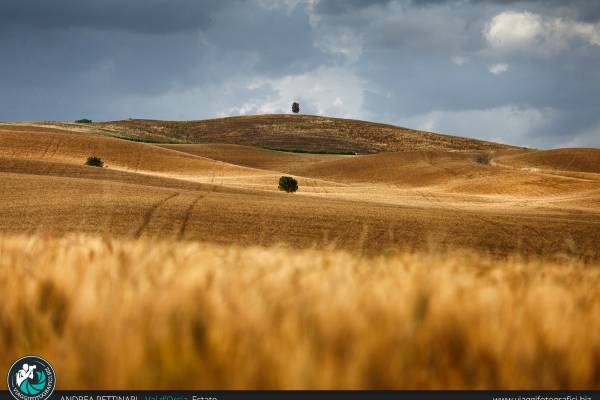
(345, 6)
(150, 16)
(425, 64)
(83, 62)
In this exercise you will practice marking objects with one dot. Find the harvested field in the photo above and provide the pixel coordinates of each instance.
(228, 194)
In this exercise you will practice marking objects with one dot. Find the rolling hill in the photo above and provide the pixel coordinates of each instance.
(299, 132)
(429, 193)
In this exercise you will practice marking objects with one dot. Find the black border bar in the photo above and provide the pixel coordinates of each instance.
(318, 394)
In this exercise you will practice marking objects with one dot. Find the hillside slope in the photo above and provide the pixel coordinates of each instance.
(65, 146)
(300, 131)
(575, 160)
(254, 157)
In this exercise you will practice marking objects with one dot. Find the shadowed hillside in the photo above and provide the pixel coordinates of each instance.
(254, 157)
(300, 132)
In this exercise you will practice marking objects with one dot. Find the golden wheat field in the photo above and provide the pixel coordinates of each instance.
(163, 314)
(420, 261)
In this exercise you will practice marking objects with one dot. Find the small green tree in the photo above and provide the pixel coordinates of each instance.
(288, 184)
(84, 121)
(94, 161)
(295, 108)
(483, 158)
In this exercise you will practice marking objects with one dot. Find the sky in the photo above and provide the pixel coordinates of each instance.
(518, 72)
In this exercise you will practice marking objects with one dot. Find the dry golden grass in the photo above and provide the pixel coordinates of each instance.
(146, 314)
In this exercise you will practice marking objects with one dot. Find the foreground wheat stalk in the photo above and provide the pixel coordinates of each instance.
(141, 314)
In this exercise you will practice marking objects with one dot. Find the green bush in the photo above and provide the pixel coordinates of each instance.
(84, 121)
(94, 161)
(288, 184)
(483, 158)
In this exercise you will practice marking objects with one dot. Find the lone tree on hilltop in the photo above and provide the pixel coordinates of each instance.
(295, 108)
(288, 184)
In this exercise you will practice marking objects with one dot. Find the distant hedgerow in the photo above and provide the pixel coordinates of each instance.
(84, 121)
(288, 184)
(94, 161)
(307, 151)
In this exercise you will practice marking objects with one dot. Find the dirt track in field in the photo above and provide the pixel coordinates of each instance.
(533, 202)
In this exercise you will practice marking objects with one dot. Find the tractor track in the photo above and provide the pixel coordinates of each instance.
(149, 214)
